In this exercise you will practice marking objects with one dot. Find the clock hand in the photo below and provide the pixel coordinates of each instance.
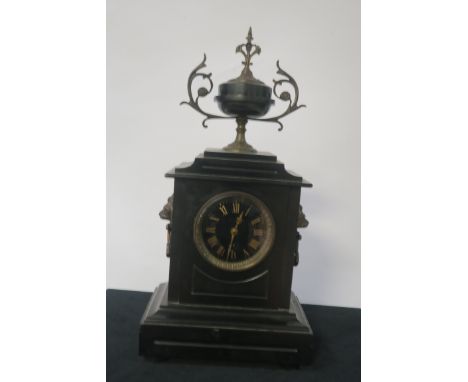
(234, 232)
(230, 245)
(239, 220)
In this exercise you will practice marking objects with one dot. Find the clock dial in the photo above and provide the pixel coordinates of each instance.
(234, 231)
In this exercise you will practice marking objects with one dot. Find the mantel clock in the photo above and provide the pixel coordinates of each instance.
(232, 239)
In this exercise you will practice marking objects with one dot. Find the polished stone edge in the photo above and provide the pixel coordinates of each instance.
(225, 333)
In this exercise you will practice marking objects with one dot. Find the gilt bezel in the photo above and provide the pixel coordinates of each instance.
(258, 256)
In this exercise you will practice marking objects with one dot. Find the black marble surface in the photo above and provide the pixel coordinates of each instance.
(337, 357)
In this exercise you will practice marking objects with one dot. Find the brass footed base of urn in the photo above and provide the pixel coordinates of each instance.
(240, 145)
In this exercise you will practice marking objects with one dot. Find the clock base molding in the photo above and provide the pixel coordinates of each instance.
(171, 330)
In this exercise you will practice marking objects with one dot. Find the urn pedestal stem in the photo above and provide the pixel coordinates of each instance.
(240, 145)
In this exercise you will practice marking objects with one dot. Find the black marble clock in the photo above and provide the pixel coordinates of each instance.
(232, 245)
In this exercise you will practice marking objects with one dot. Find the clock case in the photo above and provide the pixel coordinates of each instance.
(207, 312)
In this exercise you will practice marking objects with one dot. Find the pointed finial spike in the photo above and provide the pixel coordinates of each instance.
(249, 35)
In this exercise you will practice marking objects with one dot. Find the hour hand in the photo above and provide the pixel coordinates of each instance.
(239, 219)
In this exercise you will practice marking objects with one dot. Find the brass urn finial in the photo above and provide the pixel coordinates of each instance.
(244, 98)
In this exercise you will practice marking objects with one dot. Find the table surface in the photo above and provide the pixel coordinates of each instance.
(337, 333)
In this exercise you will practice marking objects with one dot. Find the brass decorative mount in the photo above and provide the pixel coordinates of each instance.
(243, 98)
(248, 53)
(240, 145)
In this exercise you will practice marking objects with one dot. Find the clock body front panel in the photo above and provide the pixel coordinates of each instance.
(232, 243)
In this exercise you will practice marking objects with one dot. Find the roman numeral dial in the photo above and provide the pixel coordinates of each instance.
(234, 231)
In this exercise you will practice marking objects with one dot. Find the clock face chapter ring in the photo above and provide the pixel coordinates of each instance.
(234, 231)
